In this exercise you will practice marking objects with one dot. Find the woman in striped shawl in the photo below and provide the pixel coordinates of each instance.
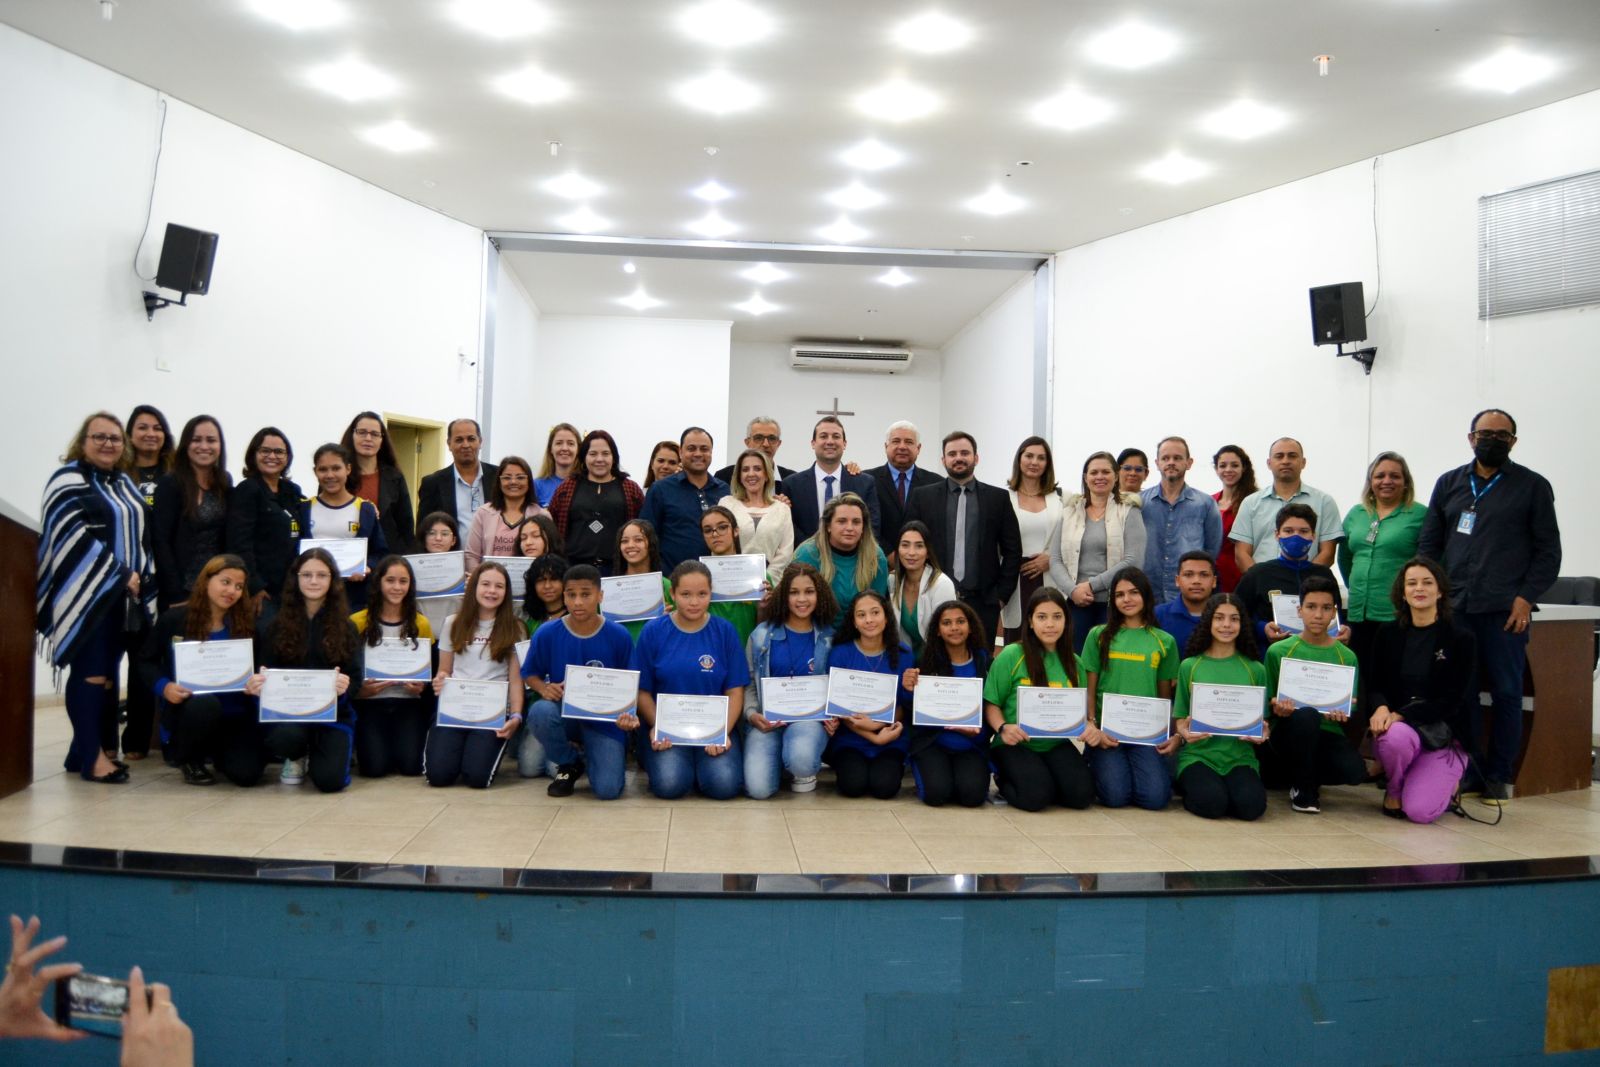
(96, 582)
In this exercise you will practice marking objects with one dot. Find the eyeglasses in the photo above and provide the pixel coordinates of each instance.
(1132, 469)
(1493, 435)
(721, 528)
(764, 438)
(368, 433)
(105, 439)
(272, 451)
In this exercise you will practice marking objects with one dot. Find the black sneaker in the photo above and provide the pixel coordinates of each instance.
(1305, 803)
(196, 774)
(1495, 792)
(565, 780)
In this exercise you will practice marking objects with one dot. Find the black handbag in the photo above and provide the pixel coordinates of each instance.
(1434, 735)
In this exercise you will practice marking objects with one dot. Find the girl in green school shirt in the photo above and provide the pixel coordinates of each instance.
(1220, 775)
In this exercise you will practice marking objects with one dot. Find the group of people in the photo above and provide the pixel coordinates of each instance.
(1108, 586)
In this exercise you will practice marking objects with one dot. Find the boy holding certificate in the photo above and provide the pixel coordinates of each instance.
(1306, 748)
(1218, 772)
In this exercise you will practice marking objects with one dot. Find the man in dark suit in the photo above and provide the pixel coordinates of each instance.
(810, 489)
(762, 433)
(461, 488)
(974, 531)
(898, 478)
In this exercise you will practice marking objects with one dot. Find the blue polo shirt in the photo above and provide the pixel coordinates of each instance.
(708, 662)
(674, 506)
(1174, 618)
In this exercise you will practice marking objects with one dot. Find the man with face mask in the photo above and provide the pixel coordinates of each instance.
(1285, 573)
(1492, 523)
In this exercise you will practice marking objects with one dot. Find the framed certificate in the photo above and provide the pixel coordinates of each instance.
(1047, 712)
(472, 705)
(1327, 687)
(1286, 613)
(862, 693)
(439, 573)
(941, 701)
(299, 696)
(517, 568)
(214, 666)
(600, 694)
(396, 659)
(799, 699)
(1227, 710)
(693, 721)
(349, 553)
(1136, 720)
(632, 597)
(737, 577)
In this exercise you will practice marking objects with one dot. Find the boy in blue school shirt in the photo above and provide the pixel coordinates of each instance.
(1196, 581)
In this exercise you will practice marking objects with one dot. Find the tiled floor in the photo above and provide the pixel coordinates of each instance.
(514, 825)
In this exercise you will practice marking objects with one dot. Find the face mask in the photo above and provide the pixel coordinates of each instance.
(1294, 548)
(1491, 453)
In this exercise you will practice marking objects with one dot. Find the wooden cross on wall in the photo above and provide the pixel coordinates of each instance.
(835, 412)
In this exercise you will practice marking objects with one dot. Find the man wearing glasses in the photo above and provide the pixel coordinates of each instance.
(761, 432)
(1492, 523)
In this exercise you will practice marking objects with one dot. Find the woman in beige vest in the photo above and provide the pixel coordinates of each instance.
(1101, 533)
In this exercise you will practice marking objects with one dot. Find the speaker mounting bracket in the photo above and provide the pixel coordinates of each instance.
(154, 303)
(1364, 356)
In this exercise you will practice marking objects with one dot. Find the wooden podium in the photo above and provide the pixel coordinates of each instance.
(1557, 733)
(19, 552)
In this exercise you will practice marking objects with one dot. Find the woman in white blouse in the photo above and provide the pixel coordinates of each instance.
(917, 585)
(1037, 501)
(765, 525)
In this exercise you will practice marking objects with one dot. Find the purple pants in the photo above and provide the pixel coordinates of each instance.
(1422, 781)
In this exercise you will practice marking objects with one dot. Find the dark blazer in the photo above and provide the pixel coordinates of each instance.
(999, 539)
(894, 513)
(394, 510)
(174, 538)
(1452, 687)
(801, 489)
(726, 473)
(264, 531)
(437, 492)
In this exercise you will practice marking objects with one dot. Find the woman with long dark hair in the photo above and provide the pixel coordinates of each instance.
(952, 762)
(336, 512)
(375, 476)
(917, 584)
(639, 552)
(191, 510)
(590, 507)
(496, 526)
(1036, 499)
(794, 639)
(150, 443)
(264, 514)
(392, 718)
(664, 462)
(1238, 477)
(479, 644)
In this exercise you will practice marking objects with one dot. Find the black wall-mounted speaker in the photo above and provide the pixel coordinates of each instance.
(1338, 314)
(186, 257)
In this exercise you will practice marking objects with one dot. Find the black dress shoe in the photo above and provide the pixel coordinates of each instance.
(116, 776)
(196, 774)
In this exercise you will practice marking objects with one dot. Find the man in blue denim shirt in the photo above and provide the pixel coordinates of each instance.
(1177, 518)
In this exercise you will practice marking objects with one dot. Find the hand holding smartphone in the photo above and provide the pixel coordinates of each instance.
(93, 1003)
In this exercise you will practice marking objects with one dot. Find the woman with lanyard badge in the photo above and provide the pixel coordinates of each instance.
(590, 507)
(264, 515)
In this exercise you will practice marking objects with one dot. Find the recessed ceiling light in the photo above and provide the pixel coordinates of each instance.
(870, 154)
(894, 278)
(352, 80)
(628, 267)
(532, 85)
(1132, 46)
(856, 197)
(639, 300)
(726, 23)
(932, 32)
(841, 231)
(1244, 120)
(1174, 168)
(898, 101)
(995, 201)
(397, 136)
(300, 15)
(500, 19)
(1508, 70)
(571, 186)
(756, 305)
(1072, 109)
(712, 225)
(583, 219)
(764, 274)
(711, 191)
(719, 92)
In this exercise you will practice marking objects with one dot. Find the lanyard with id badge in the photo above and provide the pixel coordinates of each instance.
(1469, 518)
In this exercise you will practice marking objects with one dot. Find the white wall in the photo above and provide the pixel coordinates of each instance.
(1199, 325)
(517, 369)
(988, 383)
(763, 383)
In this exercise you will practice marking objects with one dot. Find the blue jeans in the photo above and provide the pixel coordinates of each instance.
(679, 769)
(796, 748)
(1130, 774)
(604, 753)
(1502, 660)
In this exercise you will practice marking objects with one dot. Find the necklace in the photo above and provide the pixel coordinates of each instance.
(873, 662)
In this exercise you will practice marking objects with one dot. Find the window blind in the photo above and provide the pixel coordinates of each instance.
(1539, 247)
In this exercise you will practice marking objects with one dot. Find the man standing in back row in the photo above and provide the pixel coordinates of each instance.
(461, 488)
(1255, 530)
(896, 479)
(1178, 519)
(1492, 523)
(763, 433)
(810, 490)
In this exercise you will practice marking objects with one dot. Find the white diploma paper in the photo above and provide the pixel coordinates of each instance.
(1227, 710)
(800, 699)
(694, 721)
(517, 568)
(299, 696)
(400, 660)
(632, 597)
(736, 577)
(1049, 712)
(941, 701)
(1136, 720)
(522, 655)
(599, 694)
(349, 553)
(862, 693)
(214, 666)
(1286, 613)
(473, 705)
(1327, 687)
(439, 573)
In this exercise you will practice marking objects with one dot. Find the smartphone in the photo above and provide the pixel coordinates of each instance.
(93, 1004)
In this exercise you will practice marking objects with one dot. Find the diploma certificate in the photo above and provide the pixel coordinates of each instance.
(522, 656)
(799, 699)
(1136, 720)
(439, 573)
(600, 694)
(941, 701)
(472, 705)
(695, 721)
(437, 610)
(862, 693)
(1286, 613)
(349, 553)
(399, 660)
(737, 577)
(1049, 712)
(517, 568)
(1227, 710)
(214, 666)
(632, 597)
(1327, 687)
(299, 696)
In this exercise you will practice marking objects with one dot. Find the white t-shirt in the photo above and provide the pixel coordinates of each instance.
(473, 662)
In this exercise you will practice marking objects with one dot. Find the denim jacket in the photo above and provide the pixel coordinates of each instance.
(759, 653)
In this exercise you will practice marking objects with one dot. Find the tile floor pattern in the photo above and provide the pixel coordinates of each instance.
(515, 824)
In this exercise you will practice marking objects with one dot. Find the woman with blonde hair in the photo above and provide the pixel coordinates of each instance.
(765, 525)
(845, 553)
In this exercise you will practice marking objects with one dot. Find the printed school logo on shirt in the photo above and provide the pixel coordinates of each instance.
(708, 662)
(594, 663)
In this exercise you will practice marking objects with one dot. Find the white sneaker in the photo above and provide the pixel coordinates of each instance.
(293, 773)
(803, 785)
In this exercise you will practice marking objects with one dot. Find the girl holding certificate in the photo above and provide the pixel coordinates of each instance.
(869, 756)
(950, 763)
(795, 640)
(480, 645)
(917, 585)
(639, 552)
(845, 553)
(337, 512)
(312, 631)
(765, 524)
(1130, 656)
(1220, 775)
(392, 717)
(200, 726)
(496, 526)
(538, 537)
(542, 595)
(1034, 772)
(692, 653)
(720, 529)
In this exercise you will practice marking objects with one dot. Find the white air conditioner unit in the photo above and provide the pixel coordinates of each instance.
(859, 358)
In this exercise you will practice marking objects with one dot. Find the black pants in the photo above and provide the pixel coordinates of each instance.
(1362, 637)
(1211, 795)
(390, 735)
(469, 755)
(141, 706)
(944, 775)
(859, 775)
(988, 613)
(1031, 780)
(327, 744)
(199, 729)
(1303, 756)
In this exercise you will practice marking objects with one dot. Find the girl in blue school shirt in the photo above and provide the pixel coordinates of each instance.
(868, 756)
(951, 762)
(794, 641)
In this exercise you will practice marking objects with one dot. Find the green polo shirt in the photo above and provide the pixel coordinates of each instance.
(1221, 754)
(1009, 671)
(1139, 661)
(1372, 553)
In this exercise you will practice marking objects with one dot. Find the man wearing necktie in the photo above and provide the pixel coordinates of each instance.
(898, 478)
(809, 491)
